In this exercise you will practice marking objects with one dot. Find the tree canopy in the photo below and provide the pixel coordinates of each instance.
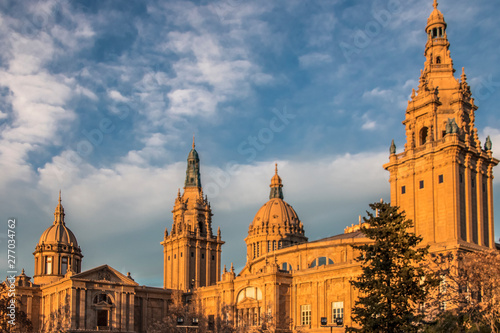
(393, 282)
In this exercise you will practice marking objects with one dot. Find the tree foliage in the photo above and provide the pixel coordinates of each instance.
(469, 297)
(393, 281)
(22, 323)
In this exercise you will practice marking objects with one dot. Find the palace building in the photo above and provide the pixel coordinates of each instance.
(442, 179)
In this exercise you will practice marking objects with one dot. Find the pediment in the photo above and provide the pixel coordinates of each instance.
(104, 274)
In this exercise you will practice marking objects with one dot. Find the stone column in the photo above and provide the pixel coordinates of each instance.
(82, 309)
(73, 313)
(468, 199)
(479, 203)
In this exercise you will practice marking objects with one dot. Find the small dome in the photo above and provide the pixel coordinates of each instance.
(277, 216)
(58, 233)
(193, 154)
(436, 17)
(276, 213)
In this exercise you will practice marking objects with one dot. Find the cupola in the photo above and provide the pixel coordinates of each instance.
(56, 250)
(276, 224)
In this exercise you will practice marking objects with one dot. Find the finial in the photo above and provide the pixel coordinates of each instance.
(435, 4)
(22, 272)
(193, 140)
(487, 144)
(232, 268)
(276, 185)
(59, 195)
(392, 149)
(463, 77)
(225, 269)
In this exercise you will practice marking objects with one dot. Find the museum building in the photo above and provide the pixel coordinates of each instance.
(442, 179)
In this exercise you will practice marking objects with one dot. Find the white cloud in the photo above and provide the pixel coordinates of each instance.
(117, 96)
(314, 60)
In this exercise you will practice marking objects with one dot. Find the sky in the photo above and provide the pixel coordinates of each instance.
(100, 99)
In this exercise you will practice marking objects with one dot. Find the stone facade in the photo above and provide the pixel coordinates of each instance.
(442, 179)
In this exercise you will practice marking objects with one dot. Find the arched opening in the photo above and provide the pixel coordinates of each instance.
(434, 32)
(103, 304)
(438, 60)
(423, 135)
(249, 307)
(321, 261)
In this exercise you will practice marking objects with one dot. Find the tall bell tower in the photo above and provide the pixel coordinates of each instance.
(192, 253)
(444, 177)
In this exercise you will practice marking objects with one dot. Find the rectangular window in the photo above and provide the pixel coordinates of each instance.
(48, 265)
(258, 249)
(175, 256)
(421, 184)
(274, 245)
(268, 246)
(305, 315)
(181, 254)
(64, 265)
(192, 254)
(441, 179)
(213, 257)
(203, 256)
(403, 189)
(337, 311)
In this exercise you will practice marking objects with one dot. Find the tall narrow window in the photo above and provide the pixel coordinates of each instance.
(337, 311)
(305, 315)
(421, 184)
(64, 265)
(423, 135)
(403, 189)
(48, 265)
(274, 245)
(440, 179)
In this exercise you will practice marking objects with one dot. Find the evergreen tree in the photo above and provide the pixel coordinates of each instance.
(394, 282)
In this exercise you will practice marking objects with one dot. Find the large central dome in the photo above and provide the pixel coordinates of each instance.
(276, 224)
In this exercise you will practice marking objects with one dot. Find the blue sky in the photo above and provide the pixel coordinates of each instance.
(101, 99)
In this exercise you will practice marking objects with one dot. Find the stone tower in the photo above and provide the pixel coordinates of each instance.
(57, 251)
(191, 252)
(443, 178)
(275, 226)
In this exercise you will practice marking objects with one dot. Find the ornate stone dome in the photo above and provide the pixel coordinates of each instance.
(275, 225)
(58, 232)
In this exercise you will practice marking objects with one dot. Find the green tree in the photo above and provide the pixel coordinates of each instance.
(393, 282)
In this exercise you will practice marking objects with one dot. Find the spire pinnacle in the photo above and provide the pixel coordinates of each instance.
(463, 77)
(435, 5)
(193, 178)
(276, 185)
(59, 212)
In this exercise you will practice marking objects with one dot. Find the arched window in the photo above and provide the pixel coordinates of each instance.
(286, 267)
(423, 135)
(434, 32)
(321, 261)
(438, 60)
(102, 298)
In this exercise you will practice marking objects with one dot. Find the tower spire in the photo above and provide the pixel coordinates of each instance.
(59, 212)
(435, 4)
(193, 169)
(276, 185)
